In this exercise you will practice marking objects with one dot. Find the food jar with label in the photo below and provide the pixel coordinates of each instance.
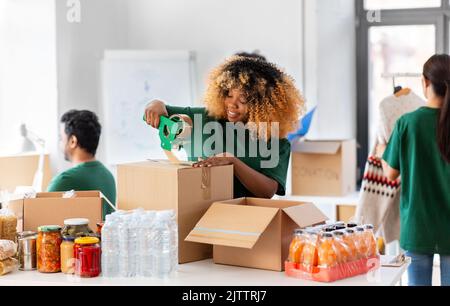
(67, 257)
(87, 257)
(75, 228)
(48, 249)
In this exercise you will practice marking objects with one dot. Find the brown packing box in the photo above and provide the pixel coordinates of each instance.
(160, 185)
(19, 171)
(324, 168)
(254, 233)
(49, 208)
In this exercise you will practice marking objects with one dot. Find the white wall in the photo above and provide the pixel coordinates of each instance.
(330, 67)
(217, 29)
(27, 72)
(80, 49)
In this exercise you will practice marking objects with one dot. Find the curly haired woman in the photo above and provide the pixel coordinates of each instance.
(253, 94)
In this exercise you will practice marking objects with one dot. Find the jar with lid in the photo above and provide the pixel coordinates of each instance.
(296, 246)
(87, 256)
(78, 227)
(67, 259)
(26, 251)
(48, 249)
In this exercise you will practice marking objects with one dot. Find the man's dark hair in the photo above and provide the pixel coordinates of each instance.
(85, 126)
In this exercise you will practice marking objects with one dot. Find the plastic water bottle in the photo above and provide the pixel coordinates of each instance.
(145, 244)
(133, 252)
(174, 240)
(162, 236)
(124, 258)
(110, 245)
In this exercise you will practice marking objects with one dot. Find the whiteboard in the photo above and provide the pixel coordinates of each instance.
(131, 79)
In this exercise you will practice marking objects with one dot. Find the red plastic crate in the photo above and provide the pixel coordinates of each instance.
(327, 275)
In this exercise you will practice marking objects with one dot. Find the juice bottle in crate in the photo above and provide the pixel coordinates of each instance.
(296, 247)
(349, 239)
(360, 242)
(343, 251)
(370, 241)
(309, 258)
(327, 256)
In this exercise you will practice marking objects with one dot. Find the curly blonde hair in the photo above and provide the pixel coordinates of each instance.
(271, 95)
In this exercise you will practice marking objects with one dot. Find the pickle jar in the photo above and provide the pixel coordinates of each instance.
(87, 256)
(48, 251)
(78, 227)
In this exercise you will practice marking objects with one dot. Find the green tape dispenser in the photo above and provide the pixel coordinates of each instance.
(175, 131)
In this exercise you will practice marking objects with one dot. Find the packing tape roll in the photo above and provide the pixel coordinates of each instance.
(186, 131)
(171, 157)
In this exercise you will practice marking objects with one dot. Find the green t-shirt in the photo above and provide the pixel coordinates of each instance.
(84, 177)
(270, 159)
(425, 193)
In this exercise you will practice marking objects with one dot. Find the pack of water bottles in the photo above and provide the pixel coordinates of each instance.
(140, 243)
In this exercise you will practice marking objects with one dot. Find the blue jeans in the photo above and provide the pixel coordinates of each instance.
(421, 269)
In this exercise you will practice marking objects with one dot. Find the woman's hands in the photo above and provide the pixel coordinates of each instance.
(153, 111)
(222, 159)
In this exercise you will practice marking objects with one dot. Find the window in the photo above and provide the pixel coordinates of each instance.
(399, 41)
(399, 4)
(27, 72)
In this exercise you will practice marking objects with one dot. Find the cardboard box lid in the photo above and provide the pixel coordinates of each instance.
(317, 147)
(232, 225)
(306, 214)
(158, 163)
(241, 222)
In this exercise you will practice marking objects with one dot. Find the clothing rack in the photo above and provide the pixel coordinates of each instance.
(400, 75)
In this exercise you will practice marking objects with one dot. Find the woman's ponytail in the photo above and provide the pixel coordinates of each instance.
(437, 71)
(443, 131)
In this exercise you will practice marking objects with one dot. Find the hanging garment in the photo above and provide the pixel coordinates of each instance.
(379, 201)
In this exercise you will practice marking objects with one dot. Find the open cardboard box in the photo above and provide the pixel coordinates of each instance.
(50, 208)
(254, 233)
(161, 185)
(323, 168)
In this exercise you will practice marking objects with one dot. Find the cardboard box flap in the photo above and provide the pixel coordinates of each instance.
(305, 215)
(78, 194)
(317, 147)
(232, 225)
(159, 163)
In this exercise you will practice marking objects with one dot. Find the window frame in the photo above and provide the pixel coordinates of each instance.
(438, 16)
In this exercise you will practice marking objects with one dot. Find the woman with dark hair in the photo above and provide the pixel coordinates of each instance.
(419, 151)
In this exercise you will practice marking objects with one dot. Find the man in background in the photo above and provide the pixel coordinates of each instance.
(79, 137)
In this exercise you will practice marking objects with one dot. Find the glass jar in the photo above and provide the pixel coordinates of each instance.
(370, 240)
(87, 257)
(75, 228)
(48, 249)
(67, 259)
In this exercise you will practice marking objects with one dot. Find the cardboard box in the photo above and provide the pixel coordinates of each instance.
(49, 208)
(324, 168)
(160, 185)
(345, 213)
(254, 233)
(19, 170)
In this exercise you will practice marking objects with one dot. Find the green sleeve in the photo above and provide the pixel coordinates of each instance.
(392, 155)
(62, 182)
(279, 173)
(189, 111)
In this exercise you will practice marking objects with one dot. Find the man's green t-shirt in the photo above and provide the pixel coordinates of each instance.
(84, 177)
(269, 158)
(425, 195)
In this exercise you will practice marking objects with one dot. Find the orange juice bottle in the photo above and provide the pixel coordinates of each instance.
(326, 251)
(370, 241)
(309, 257)
(349, 240)
(296, 247)
(343, 251)
(360, 243)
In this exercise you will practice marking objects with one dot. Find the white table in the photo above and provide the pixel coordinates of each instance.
(203, 273)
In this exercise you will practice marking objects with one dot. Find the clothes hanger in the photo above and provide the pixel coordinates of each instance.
(399, 91)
